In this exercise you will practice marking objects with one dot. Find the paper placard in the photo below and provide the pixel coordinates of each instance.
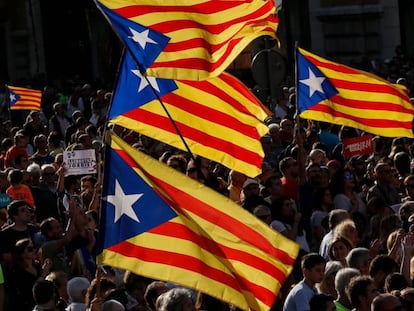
(80, 162)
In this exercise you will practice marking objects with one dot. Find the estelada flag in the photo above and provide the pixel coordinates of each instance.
(188, 40)
(219, 118)
(338, 94)
(159, 223)
(21, 98)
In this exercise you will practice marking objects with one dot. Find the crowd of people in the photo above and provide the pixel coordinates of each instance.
(352, 217)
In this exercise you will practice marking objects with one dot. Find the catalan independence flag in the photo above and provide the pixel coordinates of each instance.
(188, 40)
(219, 118)
(339, 94)
(161, 224)
(21, 98)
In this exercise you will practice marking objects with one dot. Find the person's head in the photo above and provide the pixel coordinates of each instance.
(87, 183)
(153, 291)
(178, 162)
(386, 302)
(60, 280)
(322, 302)
(395, 281)
(405, 211)
(274, 186)
(263, 213)
(339, 249)
(44, 293)
(383, 173)
(359, 258)
(48, 174)
(289, 167)
(336, 216)
(112, 305)
(136, 285)
(407, 298)
(313, 267)
(40, 142)
(327, 285)
(15, 177)
(251, 188)
(381, 266)
(347, 229)
(361, 291)
(342, 280)
(51, 229)
(105, 286)
(318, 156)
(176, 299)
(19, 212)
(24, 251)
(77, 288)
(314, 174)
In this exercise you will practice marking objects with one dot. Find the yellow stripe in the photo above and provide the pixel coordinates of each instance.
(368, 113)
(174, 140)
(374, 97)
(386, 132)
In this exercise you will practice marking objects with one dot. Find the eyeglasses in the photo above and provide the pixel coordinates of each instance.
(30, 248)
(349, 176)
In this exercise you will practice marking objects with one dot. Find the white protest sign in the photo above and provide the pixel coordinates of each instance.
(80, 162)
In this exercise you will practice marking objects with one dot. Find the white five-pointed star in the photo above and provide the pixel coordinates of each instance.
(12, 97)
(123, 202)
(144, 83)
(141, 37)
(314, 83)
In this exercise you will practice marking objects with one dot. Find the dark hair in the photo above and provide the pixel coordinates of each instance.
(395, 281)
(311, 260)
(152, 292)
(382, 263)
(335, 240)
(358, 287)
(13, 208)
(105, 285)
(318, 302)
(43, 291)
(16, 176)
(45, 226)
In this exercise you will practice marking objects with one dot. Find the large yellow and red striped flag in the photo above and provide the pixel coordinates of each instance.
(219, 118)
(339, 94)
(188, 40)
(159, 223)
(21, 98)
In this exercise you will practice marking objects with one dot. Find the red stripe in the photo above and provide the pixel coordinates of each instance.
(375, 123)
(180, 231)
(220, 92)
(209, 7)
(254, 18)
(334, 66)
(226, 147)
(187, 262)
(197, 62)
(211, 114)
(369, 87)
(371, 105)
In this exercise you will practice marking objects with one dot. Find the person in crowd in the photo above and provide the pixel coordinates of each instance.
(178, 299)
(77, 288)
(322, 302)
(361, 292)
(153, 291)
(23, 275)
(336, 216)
(59, 122)
(359, 258)
(320, 215)
(313, 269)
(19, 148)
(339, 249)
(60, 280)
(44, 295)
(380, 267)
(386, 302)
(17, 190)
(342, 280)
(327, 285)
(383, 187)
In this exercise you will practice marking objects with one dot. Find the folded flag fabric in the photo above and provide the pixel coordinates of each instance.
(219, 118)
(188, 40)
(159, 223)
(21, 98)
(335, 93)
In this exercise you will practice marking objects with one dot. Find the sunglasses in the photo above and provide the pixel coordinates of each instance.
(349, 176)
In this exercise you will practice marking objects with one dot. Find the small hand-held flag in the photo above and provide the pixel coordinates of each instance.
(162, 224)
(21, 98)
(339, 94)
